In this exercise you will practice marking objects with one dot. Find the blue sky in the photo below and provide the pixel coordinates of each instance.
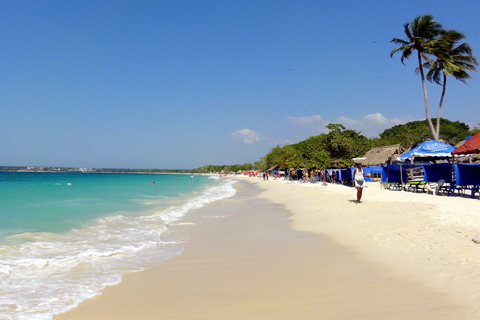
(181, 84)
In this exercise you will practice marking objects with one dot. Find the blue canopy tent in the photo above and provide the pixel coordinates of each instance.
(398, 175)
(438, 171)
(428, 149)
(339, 175)
(346, 175)
(376, 169)
(343, 175)
(370, 170)
(394, 173)
(468, 174)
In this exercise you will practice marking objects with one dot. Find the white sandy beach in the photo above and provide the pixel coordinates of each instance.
(304, 251)
(419, 236)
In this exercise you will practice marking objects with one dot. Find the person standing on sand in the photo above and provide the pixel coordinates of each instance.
(359, 180)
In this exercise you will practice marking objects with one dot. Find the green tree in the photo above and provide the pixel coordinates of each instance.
(415, 132)
(334, 149)
(273, 158)
(345, 144)
(422, 33)
(335, 127)
(451, 60)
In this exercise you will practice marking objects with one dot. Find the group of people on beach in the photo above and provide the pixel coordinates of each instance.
(358, 180)
(310, 175)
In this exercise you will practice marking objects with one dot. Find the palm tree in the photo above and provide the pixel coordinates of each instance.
(421, 34)
(451, 60)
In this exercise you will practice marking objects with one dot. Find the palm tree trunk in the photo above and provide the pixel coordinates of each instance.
(440, 105)
(427, 112)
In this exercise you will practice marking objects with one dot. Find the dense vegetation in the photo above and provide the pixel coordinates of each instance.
(416, 132)
(226, 168)
(333, 149)
(336, 148)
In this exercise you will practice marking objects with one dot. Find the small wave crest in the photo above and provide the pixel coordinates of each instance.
(43, 274)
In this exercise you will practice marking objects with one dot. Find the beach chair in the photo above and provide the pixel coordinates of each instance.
(410, 185)
(475, 190)
(436, 187)
(422, 186)
(445, 188)
(396, 186)
(461, 190)
(415, 186)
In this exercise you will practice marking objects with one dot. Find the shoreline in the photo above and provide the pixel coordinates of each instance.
(323, 219)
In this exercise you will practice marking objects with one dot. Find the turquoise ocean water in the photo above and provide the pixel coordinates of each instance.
(66, 236)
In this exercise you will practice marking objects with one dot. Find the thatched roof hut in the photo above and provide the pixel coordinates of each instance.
(381, 155)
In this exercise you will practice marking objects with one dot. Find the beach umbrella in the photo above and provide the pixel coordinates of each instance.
(470, 146)
(429, 148)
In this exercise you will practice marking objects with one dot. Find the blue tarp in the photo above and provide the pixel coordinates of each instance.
(429, 148)
(346, 174)
(391, 173)
(338, 176)
(467, 174)
(376, 169)
(438, 171)
(371, 170)
(343, 174)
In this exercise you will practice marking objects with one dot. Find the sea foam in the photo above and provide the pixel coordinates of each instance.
(43, 274)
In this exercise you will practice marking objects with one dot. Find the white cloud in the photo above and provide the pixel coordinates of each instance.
(247, 136)
(403, 120)
(377, 118)
(370, 125)
(315, 122)
(347, 122)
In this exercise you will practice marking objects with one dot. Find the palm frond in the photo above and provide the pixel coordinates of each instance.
(452, 60)
(400, 41)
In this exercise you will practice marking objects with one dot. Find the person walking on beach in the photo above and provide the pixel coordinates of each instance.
(359, 180)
